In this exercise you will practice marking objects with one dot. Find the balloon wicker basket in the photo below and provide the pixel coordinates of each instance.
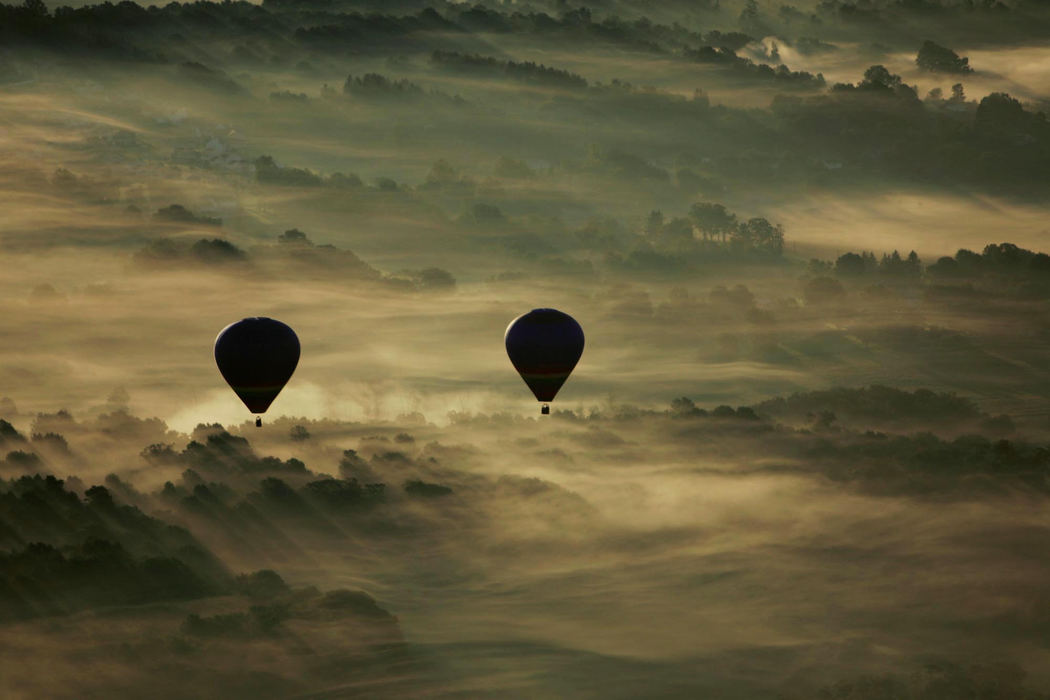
(258, 421)
(545, 410)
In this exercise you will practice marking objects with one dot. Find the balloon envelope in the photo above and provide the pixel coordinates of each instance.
(544, 345)
(257, 357)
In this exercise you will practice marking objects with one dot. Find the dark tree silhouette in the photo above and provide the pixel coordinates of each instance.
(713, 220)
(936, 58)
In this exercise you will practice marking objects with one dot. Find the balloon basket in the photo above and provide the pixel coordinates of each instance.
(545, 410)
(258, 422)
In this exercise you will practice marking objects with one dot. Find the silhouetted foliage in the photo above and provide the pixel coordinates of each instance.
(743, 67)
(854, 265)
(262, 584)
(177, 213)
(267, 171)
(9, 434)
(223, 453)
(936, 58)
(713, 220)
(217, 251)
(684, 407)
(526, 71)
(66, 554)
(999, 265)
(43, 580)
(210, 78)
(341, 494)
(289, 96)
(885, 408)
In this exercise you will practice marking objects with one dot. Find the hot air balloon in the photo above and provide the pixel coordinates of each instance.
(544, 345)
(257, 357)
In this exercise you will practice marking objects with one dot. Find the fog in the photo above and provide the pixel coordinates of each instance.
(804, 454)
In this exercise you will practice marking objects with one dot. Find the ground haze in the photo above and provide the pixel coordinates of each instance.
(805, 453)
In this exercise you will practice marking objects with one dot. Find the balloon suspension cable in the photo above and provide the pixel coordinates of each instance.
(545, 410)
(258, 421)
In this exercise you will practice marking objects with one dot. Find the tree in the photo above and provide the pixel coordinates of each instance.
(853, 265)
(217, 251)
(758, 234)
(683, 407)
(9, 432)
(179, 214)
(940, 59)
(442, 176)
(998, 112)
(944, 267)
(712, 220)
(877, 79)
(99, 496)
(264, 583)
(485, 215)
(895, 266)
(294, 236)
(677, 235)
(268, 171)
(376, 85)
(35, 8)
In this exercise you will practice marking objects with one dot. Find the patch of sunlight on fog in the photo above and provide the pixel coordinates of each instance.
(931, 224)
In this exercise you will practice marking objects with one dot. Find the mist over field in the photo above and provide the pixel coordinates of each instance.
(805, 454)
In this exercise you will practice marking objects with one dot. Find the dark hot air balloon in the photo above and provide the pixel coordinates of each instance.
(544, 345)
(257, 357)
